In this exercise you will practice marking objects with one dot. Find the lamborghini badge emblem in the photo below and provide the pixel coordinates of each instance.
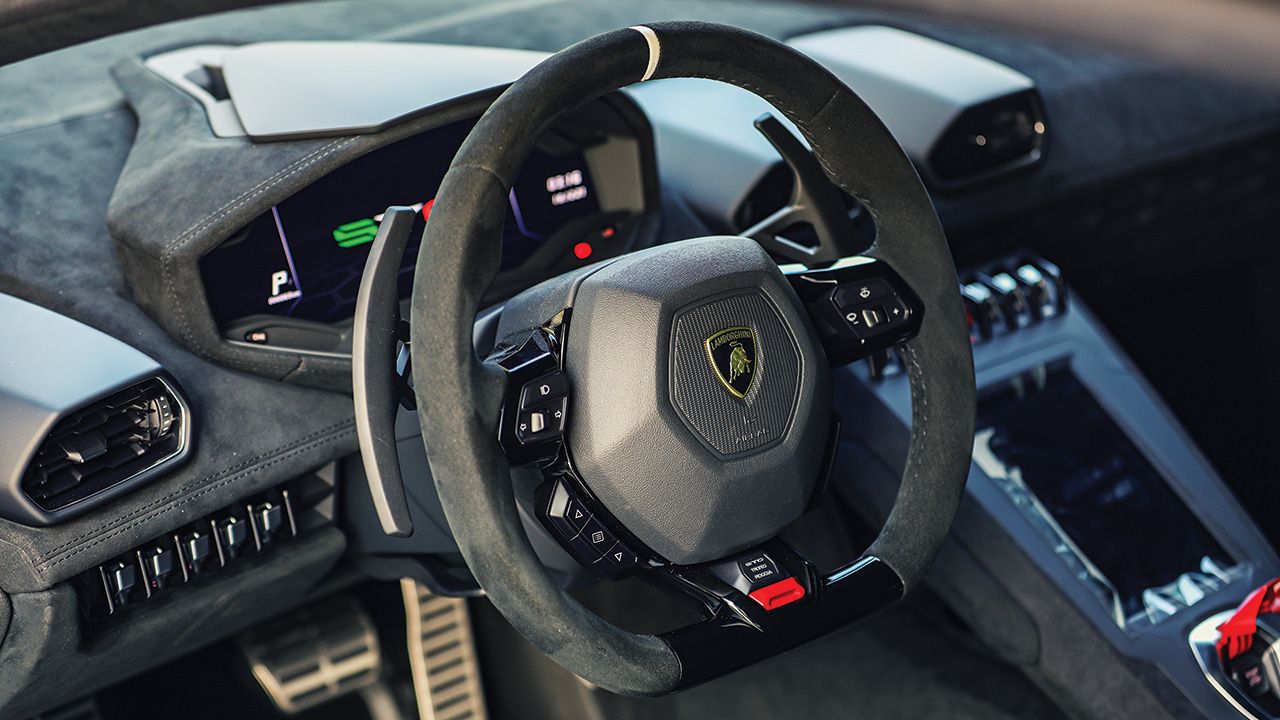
(732, 354)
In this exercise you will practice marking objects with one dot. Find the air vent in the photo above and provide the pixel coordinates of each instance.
(988, 140)
(120, 438)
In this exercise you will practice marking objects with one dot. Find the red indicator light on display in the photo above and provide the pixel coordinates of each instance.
(607, 232)
(582, 250)
(426, 208)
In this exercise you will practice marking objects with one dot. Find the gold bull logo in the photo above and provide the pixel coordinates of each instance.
(732, 354)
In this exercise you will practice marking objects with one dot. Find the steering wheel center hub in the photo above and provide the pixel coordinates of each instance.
(701, 408)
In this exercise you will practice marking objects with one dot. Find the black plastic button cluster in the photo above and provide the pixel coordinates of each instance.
(585, 536)
(178, 558)
(870, 307)
(536, 404)
(1007, 296)
(543, 404)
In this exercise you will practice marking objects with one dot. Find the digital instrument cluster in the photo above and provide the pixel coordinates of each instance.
(303, 258)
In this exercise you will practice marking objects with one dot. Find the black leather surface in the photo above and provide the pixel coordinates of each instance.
(460, 255)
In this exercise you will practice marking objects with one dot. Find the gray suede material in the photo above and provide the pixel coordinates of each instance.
(164, 227)
(249, 433)
(48, 658)
(460, 255)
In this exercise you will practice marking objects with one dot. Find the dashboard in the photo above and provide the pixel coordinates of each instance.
(290, 277)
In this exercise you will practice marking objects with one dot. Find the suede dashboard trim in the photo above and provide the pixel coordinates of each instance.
(184, 494)
(156, 517)
(179, 175)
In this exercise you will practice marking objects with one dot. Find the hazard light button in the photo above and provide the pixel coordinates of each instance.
(784, 592)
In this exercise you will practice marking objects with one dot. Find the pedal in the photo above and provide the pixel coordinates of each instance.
(314, 655)
(442, 655)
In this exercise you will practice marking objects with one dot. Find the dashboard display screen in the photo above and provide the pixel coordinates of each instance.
(303, 259)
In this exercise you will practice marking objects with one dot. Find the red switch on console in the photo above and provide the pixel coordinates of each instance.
(783, 592)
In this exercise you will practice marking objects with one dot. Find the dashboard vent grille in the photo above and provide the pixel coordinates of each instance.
(105, 443)
(989, 140)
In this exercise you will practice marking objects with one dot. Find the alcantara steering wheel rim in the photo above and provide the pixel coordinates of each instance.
(460, 396)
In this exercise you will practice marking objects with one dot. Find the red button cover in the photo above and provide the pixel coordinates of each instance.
(783, 592)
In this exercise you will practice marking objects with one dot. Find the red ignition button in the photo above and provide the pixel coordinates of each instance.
(783, 592)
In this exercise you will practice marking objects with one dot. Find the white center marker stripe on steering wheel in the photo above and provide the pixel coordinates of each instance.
(655, 49)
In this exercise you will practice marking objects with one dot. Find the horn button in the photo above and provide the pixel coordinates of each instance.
(701, 406)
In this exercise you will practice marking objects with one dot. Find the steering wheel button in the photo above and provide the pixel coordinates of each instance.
(596, 538)
(873, 316)
(567, 513)
(783, 592)
(544, 389)
(618, 557)
(850, 294)
(758, 570)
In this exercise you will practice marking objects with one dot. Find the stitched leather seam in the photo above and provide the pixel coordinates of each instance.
(920, 408)
(194, 484)
(194, 496)
(166, 255)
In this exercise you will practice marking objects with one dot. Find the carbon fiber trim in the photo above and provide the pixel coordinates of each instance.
(728, 425)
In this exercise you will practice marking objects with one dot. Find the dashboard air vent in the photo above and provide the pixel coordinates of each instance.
(990, 139)
(107, 442)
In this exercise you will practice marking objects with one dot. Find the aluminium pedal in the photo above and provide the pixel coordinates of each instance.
(442, 655)
(314, 655)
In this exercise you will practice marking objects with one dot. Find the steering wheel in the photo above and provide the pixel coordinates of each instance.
(676, 400)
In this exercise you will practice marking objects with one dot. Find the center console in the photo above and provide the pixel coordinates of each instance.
(1096, 543)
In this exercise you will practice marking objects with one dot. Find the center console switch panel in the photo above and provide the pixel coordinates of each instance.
(1011, 294)
(205, 546)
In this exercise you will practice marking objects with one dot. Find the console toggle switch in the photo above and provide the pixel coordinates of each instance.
(233, 533)
(1040, 294)
(161, 562)
(121, 578)
(198, 549)
(269, 518)
(1010, 297)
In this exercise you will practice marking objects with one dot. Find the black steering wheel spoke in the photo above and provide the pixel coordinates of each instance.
(860, 307)
(535, 402)
(767, 600)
